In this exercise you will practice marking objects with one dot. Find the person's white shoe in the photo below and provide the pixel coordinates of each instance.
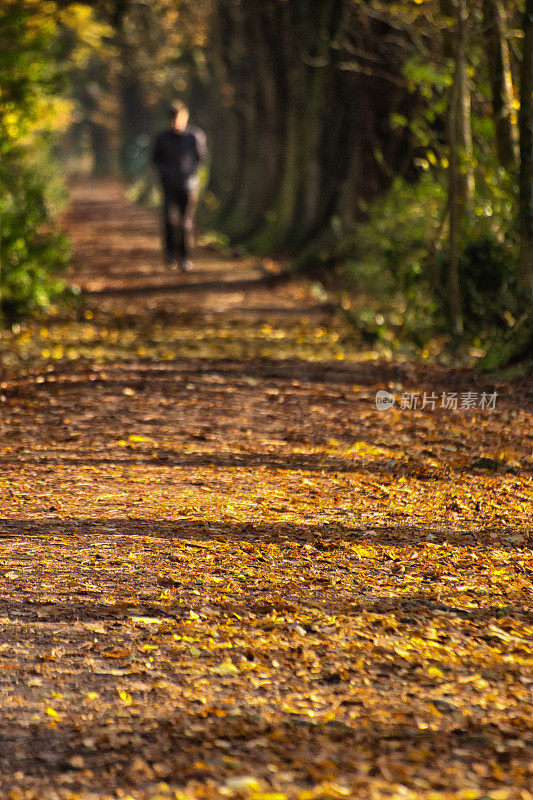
(186, 265)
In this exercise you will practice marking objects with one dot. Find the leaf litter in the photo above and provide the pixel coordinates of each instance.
(226, 574)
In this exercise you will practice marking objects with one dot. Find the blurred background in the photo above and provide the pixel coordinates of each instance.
(384, 148)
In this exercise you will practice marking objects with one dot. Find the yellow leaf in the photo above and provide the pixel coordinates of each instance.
(125, 697)
(227, 668)
(52, 713)
(363, 551)
(364, 447)
(244, 783)
(435, 672)
(269, 796)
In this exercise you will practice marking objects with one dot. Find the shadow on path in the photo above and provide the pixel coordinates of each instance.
(324, 537)
(241, 285)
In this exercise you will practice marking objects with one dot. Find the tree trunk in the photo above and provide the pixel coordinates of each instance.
(501, 83)
(305, 34)
(526, 158)
(269, 121)
(291, 87)
(223, 116)
(456, 204)
(101, 149)
(456, 47)
(135, 118)
(460, 170)
(135, 122)
(463, 121)
(227, 175)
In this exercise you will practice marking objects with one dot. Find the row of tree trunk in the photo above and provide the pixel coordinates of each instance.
(298, 109)
(299, 125)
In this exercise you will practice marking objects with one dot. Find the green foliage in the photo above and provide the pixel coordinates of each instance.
(33, 55)
(389, 262)
(397, 258)
(487, 273)
(487, 277)
(426, 77)
(32, 252)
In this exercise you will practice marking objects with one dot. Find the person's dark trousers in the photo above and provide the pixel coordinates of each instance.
(179, 205)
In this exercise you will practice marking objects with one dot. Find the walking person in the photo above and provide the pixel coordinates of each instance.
(177, 155)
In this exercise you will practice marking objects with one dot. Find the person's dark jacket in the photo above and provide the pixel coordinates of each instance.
(177, 156)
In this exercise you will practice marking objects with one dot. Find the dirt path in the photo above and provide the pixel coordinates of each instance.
(225, 573)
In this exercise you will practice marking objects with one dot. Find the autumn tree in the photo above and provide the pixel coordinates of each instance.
(526, 156)
(38, 42)
(503, 96)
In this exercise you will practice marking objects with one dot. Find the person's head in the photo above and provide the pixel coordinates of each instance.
(178, 115)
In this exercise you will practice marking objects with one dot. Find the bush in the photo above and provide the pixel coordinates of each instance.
(487, 274)
(32, 252)
(33, 65)
(386, 261)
